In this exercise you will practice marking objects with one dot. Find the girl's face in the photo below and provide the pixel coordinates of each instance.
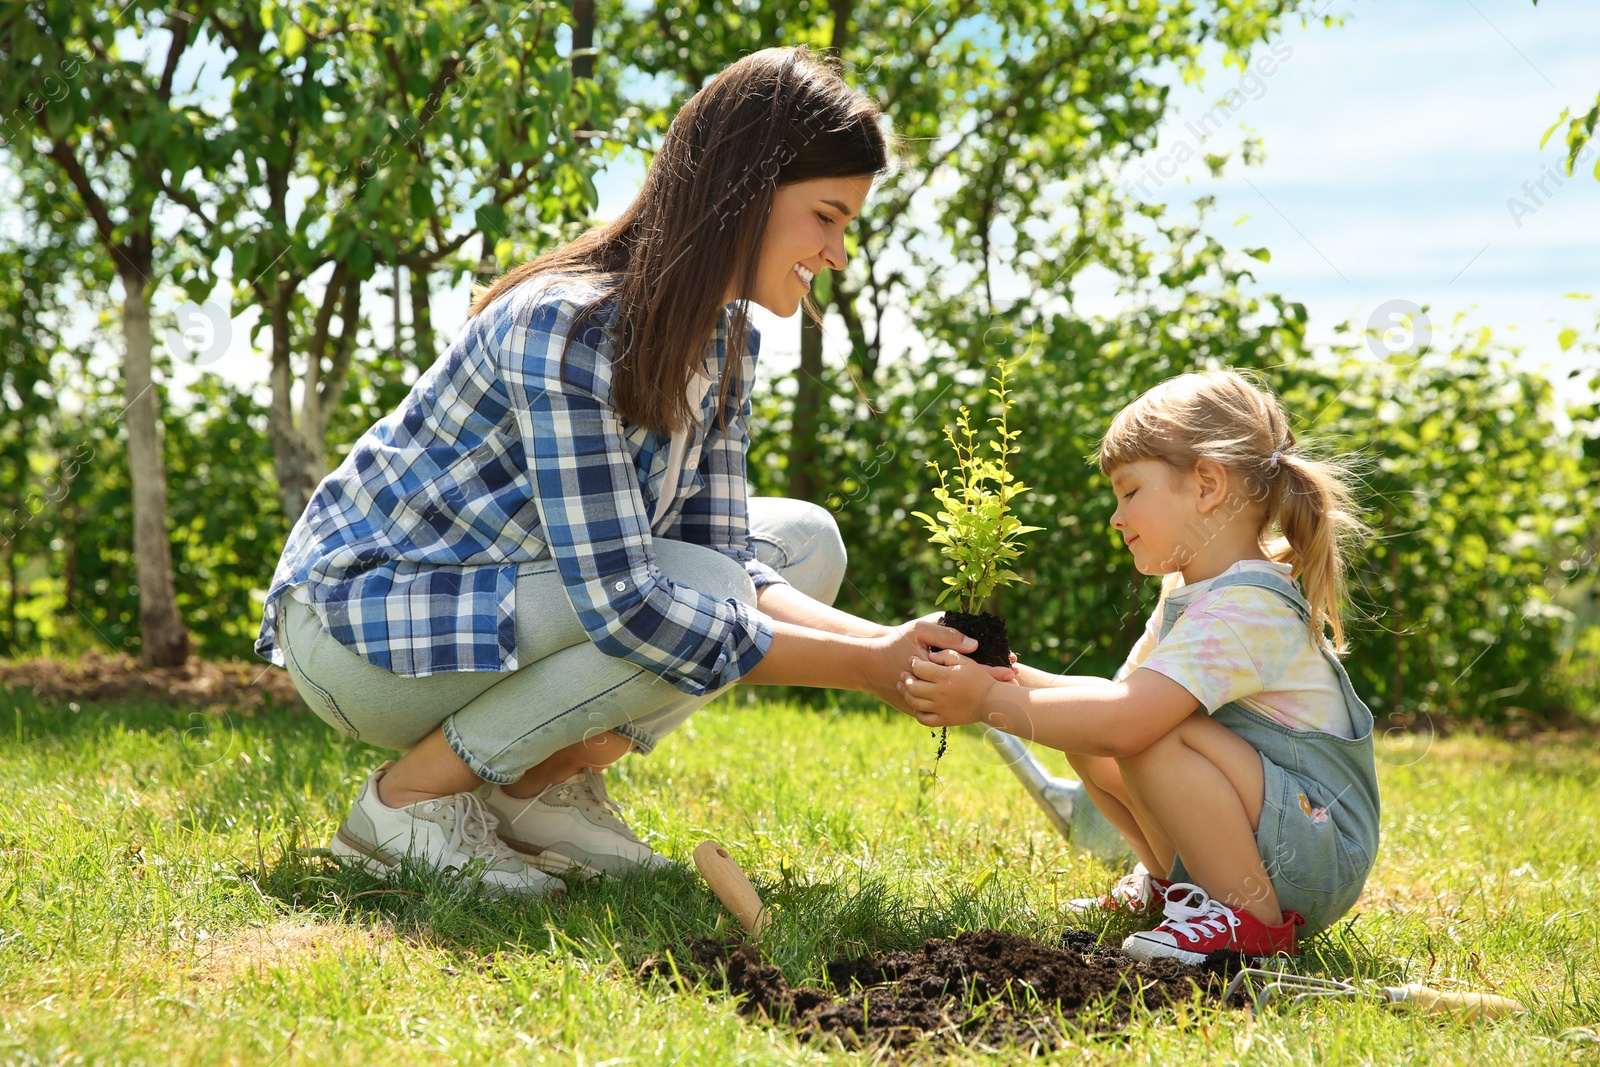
(1157, 512)
(805, 236)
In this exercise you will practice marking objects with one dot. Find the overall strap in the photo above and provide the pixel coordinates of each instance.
(1271, 581)
(1257, 579)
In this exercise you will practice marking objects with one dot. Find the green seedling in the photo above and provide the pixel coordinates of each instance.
(975, 527)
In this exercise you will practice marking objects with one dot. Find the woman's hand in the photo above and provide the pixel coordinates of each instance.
(946, 689)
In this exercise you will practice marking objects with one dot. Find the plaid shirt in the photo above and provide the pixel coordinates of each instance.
(409, 550)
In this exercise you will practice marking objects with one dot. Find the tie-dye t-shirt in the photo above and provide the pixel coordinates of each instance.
(1245, 644)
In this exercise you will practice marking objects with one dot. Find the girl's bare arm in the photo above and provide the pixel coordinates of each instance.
(1034, 678)
(1098, 719)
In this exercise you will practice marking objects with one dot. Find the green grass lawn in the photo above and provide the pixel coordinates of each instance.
(163, 899)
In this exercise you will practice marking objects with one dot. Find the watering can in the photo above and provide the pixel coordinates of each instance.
(1064, 802)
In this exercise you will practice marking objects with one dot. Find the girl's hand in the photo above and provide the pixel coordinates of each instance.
(947, 689)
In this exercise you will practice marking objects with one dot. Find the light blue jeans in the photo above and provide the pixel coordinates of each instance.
(566, 689)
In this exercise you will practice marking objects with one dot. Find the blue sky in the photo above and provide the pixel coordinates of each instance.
(1393, 144)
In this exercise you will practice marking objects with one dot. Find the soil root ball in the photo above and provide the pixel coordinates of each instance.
(984, 987)
(986, 628)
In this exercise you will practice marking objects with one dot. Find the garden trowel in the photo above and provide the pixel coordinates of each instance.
(1065, 804)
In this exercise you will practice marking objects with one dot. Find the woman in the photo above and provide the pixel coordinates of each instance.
(545, 557)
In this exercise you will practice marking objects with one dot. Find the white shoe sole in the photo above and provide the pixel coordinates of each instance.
(347, 850)
(550, 861)
(553, 862)
(1146, 951)
(350, 852)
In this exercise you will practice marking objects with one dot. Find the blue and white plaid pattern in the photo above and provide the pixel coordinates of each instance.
(409, 550)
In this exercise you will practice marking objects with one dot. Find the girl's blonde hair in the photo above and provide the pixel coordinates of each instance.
(1221, 415)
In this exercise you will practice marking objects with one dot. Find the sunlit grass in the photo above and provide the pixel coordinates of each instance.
(162, 899)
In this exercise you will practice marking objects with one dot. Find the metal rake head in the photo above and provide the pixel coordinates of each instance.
(1268, 986)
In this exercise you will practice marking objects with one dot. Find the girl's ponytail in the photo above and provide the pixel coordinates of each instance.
(1317, 518)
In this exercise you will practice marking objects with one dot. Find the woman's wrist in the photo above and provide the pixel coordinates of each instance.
(866, 658)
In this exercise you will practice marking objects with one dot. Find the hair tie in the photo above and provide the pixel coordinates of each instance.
(1272, 464)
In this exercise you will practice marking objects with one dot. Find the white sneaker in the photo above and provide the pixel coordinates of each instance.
(448, 833)
(572, 825)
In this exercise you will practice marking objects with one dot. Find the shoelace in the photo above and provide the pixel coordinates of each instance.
(1132, 890)
(1193, 914)
(586, 791)
(473, 829)
(597, 790)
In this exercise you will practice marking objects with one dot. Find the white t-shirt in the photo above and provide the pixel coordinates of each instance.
(1245, 644)
(698, 384)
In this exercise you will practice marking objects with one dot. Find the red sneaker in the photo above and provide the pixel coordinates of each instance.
(1196, 926)
(1139, 893)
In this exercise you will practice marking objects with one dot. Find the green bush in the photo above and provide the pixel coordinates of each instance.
(227, 528)
(1477, 490)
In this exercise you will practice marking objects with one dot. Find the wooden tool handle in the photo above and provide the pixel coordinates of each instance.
(731, 886)
(1431, 1001)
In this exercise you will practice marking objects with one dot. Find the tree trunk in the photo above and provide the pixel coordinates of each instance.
(164, 642)
(397, 323)
(288, 444)
(69, 553)
(808, 393)
(841, 25)
(582, 38)
(805, 426)
(864, 353)
(324, 390)
(423, 352)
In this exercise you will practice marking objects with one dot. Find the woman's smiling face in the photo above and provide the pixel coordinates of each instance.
(805, 236)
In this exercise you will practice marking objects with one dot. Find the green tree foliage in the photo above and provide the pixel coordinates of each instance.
(32, 285)
(1480, 507)
(226, 527)
(1580, 131)
(380, 134)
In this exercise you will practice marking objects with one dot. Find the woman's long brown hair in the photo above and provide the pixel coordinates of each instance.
(695, 230)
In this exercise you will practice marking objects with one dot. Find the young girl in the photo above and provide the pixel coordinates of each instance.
(1231, 751)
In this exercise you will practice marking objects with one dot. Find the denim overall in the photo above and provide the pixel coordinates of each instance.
(1319, 818)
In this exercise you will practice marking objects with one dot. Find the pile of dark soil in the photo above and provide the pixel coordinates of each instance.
(985, 987)
(198, 683)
